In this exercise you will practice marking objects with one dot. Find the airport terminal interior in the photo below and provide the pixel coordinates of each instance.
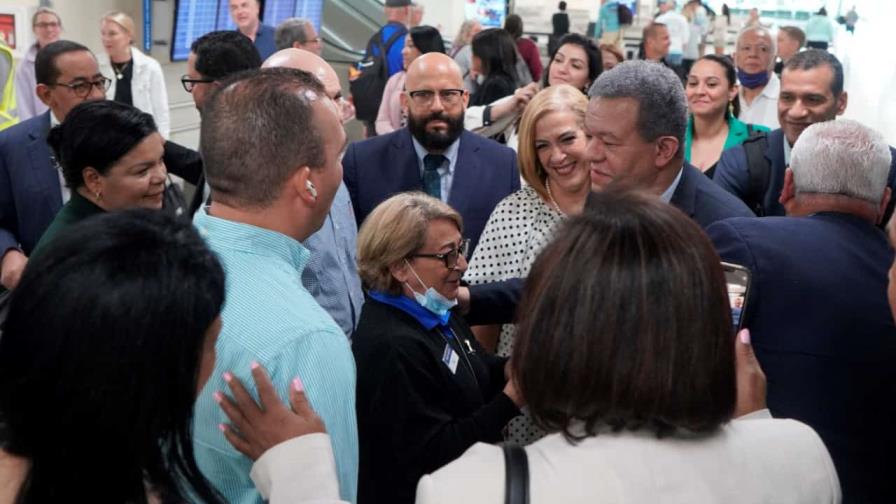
(433, 251)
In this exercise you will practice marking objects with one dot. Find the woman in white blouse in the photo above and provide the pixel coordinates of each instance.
(137, 79)
(625, 354)
(554, 164)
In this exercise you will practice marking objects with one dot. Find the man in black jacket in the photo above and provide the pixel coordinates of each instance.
(213, 57)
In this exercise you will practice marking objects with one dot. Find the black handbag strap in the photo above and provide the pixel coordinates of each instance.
(516, 487)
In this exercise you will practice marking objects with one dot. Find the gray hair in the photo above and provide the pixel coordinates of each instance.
(772, 40)
(290, 31)
(257, 131)
(841, 157)
(662, 105)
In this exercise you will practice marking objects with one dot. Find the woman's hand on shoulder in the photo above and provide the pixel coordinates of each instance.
(257, 427)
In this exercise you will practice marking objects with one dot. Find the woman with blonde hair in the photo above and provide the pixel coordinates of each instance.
(553, 163)
(137, 79)
(426, 390)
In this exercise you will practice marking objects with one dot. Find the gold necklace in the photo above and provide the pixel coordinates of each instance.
(119, 69)
(547, 185)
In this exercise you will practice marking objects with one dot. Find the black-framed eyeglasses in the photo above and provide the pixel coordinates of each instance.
(82, 88)
(451, 257)
(424, 97)
(189, 83)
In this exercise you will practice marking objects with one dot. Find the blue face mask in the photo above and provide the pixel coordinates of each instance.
(752, 80)
(431, 299)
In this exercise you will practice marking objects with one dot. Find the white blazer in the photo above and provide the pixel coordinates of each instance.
(746, 461)
(148, 90)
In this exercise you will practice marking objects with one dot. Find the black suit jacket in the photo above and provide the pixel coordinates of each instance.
(732, 174)
(379, 167)
(186, 164)
(824, 335)
(414, 414)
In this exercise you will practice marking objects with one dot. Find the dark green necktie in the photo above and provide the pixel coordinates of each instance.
(432, 182)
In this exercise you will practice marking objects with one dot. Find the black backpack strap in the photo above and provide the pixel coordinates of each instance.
(387, 45)
(759, 170)
(516, 487)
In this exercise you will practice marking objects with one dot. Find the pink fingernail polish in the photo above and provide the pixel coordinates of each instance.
(297, 383)
(218, 397)
(227, 376)
(222, 427)
(745, 336)
(254, 364)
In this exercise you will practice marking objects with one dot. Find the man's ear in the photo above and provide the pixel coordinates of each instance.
(888, 193)
(788, 192)
(43, 92)
(842, 100)
(301, 186)
(666, 150)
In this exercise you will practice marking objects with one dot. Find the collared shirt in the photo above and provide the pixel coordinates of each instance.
(269, 317)
(28, 104)
(446, 171)
(666, 197)
(63, 189)
(264, 41)
(764, 109)
(787, 151)
(427, 319)
(332, 272)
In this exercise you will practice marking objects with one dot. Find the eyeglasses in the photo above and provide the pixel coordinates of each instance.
(189, 84)
(46, 25)
(451, 257)
(424, 97)
(82, 88)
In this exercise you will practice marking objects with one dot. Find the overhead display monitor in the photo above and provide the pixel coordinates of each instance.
(195, 18)
(490, 13)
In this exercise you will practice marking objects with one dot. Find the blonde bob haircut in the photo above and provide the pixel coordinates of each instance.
(395, 230)
(122, 20)
(560, 98)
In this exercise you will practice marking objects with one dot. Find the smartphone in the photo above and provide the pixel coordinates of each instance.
(738, 279)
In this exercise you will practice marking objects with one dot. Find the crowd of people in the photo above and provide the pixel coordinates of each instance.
(512, 290)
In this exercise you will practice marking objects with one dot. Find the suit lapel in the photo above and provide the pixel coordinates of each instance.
(465, 178)
(406, 161)
(775, 150)
(43, 167)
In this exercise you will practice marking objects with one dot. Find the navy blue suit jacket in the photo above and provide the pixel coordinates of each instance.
(705, 202)
(30, 194)
(732, 175)
(824, 335)
(379, 167)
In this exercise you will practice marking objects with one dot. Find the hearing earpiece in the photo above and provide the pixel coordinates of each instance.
(311, 189)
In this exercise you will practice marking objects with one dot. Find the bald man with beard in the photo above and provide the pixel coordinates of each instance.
(433, 153)
(331, 275)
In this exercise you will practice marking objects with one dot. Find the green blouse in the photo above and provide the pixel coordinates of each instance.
(738, 131)
(77, 209)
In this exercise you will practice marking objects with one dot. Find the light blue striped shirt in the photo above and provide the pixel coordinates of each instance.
(270, 317)
(332, 272)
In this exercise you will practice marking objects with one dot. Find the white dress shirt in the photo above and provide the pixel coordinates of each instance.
(764, 109)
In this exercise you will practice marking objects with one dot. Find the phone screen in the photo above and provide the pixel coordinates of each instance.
(738, 280)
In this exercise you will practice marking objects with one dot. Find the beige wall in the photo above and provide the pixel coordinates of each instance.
(81, 18)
